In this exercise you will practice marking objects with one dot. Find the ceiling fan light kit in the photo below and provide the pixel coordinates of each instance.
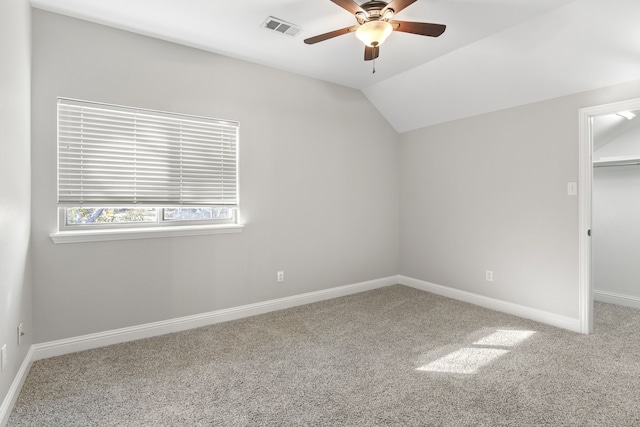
(374, 24)
(374, 33)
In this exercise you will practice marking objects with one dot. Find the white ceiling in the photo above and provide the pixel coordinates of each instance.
(494, 54)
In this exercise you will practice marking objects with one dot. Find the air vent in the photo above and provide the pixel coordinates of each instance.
(281, 26)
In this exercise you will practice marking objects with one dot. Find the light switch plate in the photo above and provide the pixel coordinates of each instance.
(572, 188)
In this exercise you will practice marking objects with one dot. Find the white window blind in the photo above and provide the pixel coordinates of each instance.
(120, 156)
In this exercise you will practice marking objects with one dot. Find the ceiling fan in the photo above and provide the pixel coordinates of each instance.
(375, 24)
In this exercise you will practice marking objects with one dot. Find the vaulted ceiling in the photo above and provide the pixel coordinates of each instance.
(494, 54)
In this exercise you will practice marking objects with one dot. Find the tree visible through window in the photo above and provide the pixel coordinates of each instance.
(79, 216)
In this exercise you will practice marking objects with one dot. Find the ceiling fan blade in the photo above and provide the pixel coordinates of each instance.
(330, 35)
(398, 5)
(349, 5)
(371, 53)
(421, 28)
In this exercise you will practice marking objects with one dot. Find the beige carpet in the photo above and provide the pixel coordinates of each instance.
(390, 357)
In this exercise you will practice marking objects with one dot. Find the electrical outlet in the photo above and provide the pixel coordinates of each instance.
(20, 333)
(488, 275)
(3, 358)
(280, 276)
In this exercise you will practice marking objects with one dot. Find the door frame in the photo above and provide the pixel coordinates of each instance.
(585, 185)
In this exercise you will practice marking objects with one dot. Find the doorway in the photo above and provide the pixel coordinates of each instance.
(585, 195)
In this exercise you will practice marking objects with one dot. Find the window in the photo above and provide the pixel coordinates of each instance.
(122, 168)
(108, 217)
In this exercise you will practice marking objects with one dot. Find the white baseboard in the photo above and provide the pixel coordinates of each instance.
(494, 304)
(615, 298)
(116, 336)
(16, 386)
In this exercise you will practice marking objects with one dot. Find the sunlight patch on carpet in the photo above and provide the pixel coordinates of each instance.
(469, 359)
(504, 338)
(464, 361)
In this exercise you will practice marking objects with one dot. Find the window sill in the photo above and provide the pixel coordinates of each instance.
(102, 235)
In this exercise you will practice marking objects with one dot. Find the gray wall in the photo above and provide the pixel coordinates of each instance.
(616, 219)
(15, 178)
(489, 193)
(318, 184)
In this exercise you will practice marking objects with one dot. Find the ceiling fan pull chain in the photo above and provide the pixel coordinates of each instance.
(374, 66)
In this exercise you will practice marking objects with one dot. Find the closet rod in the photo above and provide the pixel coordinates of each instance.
(617, 164)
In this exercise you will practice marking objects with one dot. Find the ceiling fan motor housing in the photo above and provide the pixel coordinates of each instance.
(374, 10)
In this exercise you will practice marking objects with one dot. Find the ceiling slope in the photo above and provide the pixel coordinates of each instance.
(584, 45)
